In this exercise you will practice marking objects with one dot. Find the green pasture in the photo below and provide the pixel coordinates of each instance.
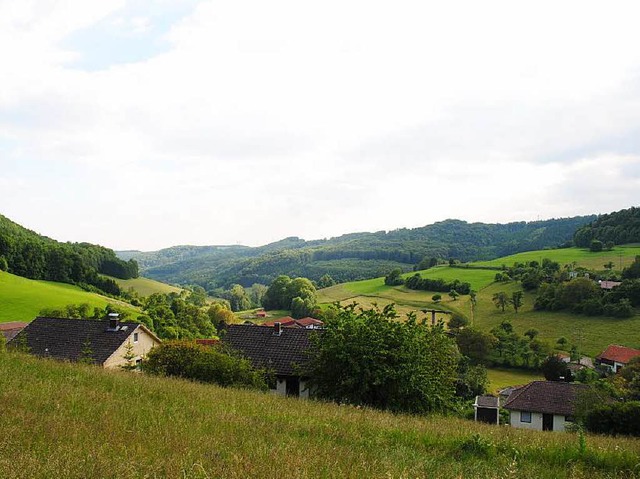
(123, 425)
(620, 256)
(500, 378)
(145, 286)
(22, 299)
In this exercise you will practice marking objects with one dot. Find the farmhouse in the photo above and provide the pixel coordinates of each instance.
(10, 330)
(544, 405)
(103, 342)
(284, 351)
(616, 357)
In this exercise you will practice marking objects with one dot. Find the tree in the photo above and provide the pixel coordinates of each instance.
(555, 369)
(256, 293)
(129, 356)
(402, 366)
(476, 345)
(436, 298)
(457, 321)
(517, 299)
(472, 380)
(209, 364)
(325, 281)
(501, 300)
(609, 245)
(219, 313)
(531, 333)
(595, 246)
(609, 265)
(238, 298)
(633, 270)
(86, 354)
(454, 294)
(394, 278)
(4, 266)
(562, 342)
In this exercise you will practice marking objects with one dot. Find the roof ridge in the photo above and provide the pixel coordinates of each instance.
(516, 393)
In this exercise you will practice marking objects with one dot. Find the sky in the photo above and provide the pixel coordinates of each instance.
(145, 124)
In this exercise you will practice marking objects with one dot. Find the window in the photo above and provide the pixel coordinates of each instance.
(135, 337)
(525, 416)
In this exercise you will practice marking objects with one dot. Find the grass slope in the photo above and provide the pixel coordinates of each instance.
(145, 286)
(590, 334)
(119, 425)
(22, 299)
(620, 256)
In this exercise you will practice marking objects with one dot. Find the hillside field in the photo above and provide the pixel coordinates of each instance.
(590, 334)
(620, 256)
(145, 286)
(124, 425)
(21, 299)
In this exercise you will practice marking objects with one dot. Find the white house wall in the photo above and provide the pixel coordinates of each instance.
(536, 421)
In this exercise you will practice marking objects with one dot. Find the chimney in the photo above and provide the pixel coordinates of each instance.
(114, 321)
(277, 328)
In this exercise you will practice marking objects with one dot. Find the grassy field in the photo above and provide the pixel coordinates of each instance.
(620, 256)
(501, 378)
(120, 425)
(22, 299)
(146, 287)
(590, 334)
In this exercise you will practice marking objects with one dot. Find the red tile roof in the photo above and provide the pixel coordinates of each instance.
(309, 322)
(286, 321)
(620, 354)
(12, 325)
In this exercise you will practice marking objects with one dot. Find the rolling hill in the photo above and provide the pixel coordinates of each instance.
(21, 299)
(352, 256)
(591, 333)
(123, 425)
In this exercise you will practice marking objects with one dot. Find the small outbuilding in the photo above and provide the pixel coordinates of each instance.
(487, 409)
(616, 357)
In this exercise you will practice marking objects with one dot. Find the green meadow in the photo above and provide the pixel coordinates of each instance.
(145, 286)
(21, 299)
(590, 334)
(124, 425)
(620, 256)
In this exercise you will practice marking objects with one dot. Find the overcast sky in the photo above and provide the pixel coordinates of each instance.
(142, 124)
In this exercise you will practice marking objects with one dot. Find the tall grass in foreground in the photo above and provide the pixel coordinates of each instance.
(66, 421)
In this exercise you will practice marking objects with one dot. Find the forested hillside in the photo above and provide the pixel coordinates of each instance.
(352, 256)
(620, 227)
(30, 255)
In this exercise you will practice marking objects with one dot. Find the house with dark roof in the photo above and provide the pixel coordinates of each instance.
(616, 357)
(103, 342)
(544, 405)
(283, 351)
(11, 329)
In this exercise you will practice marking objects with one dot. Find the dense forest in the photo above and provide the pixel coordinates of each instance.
(28, 254)
(352, 256)
(620, 227)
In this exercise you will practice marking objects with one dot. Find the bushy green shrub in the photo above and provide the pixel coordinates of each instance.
(207, 364)
(616, 418)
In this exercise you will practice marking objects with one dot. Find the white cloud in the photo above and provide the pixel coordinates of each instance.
(267, 119)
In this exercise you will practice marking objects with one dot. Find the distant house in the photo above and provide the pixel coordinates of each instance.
(544, 405)
(10, 330)
(609, 284)
(284, 351)
(103, 341)
(289, 322)
(616, 357)
(486, 409)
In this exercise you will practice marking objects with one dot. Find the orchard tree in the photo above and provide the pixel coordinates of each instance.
(454, 294)
(517, 299)
(386, 363)
(501, 300)
(436, 298)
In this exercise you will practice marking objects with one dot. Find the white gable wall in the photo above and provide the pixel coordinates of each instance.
(559, 422)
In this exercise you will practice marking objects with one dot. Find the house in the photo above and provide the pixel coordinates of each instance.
(284, 351)
(10, 330)
(608, 285)
(544, 405)
(289, 322)
(616, 357)
(104, 342)
(486, 409)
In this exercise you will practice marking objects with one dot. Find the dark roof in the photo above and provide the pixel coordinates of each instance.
(285, 354)
(487, 401)
(65, 338)
(552, 397)
(620, 354)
